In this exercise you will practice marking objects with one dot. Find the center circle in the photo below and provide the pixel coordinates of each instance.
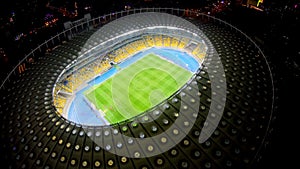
(151, 86)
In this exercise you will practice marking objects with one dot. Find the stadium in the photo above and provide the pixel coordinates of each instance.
(142, 88)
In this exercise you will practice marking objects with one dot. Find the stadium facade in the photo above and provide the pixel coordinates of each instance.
(220, 118)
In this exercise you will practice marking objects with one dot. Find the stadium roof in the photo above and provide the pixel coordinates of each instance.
(34, 136)
(137, 24)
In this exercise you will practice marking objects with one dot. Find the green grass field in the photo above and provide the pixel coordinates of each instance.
(138, 87)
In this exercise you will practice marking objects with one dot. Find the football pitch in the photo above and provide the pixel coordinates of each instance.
(137, 88)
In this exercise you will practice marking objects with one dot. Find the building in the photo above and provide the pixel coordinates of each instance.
(225, 110)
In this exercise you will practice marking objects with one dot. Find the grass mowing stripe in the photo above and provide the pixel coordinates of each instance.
(151, 79)
(108, 105)
(154, 87)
